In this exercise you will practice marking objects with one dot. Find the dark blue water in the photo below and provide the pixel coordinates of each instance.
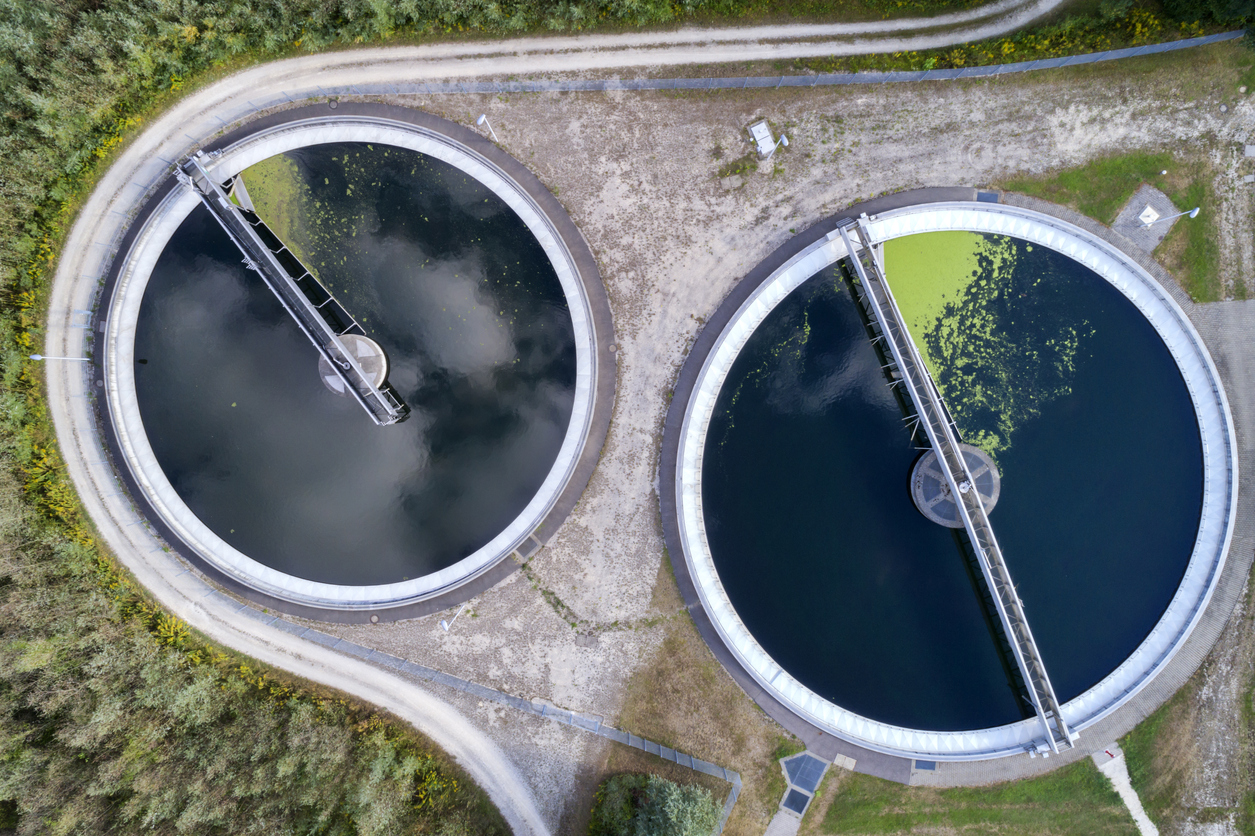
(472, 316)
(859, 597)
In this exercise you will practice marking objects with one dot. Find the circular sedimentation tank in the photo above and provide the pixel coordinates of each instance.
(461, 286)
(827, 550)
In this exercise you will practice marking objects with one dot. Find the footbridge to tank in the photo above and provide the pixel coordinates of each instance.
(910, 372)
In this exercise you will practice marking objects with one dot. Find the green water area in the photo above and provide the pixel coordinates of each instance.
(1044, 366)
(479, 341)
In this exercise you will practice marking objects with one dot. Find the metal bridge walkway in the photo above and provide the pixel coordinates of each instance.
(322, 319)
(942, 436)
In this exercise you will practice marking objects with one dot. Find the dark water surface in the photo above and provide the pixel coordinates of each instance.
(473, 319)
(843, 581)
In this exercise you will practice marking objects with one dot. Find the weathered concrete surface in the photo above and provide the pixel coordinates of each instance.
(1110, 762)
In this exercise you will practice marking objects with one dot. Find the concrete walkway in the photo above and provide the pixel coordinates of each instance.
(783, 824)
(1110, 762)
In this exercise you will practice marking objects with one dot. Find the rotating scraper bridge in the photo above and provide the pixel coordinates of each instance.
(322, 319)
(907, 368)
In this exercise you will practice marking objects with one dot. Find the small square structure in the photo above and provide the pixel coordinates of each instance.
(760, 133)
(796, 802)
(1147, 218)
(805, 771)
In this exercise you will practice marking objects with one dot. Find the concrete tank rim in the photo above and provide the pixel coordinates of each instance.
(788, 700)
(589, 422)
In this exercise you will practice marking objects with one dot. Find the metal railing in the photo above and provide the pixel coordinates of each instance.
(936, 422)
(320, 317)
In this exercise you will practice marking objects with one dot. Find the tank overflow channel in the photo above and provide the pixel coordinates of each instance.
(907, 368)
(349, 361)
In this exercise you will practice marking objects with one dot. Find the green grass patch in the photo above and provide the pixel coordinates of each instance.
(743, 165)
(1158, 788)
(748, 12)
(1191, 250)
(1076, 799)
(1080, 29)
(1100, 188)
(786, 746)
(1247, 79)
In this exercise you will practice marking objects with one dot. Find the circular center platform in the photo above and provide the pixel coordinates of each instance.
(930, 490)
(370, 358)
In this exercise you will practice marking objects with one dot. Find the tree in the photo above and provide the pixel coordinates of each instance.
(650, 805)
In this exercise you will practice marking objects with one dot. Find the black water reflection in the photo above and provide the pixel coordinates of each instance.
(844, 582)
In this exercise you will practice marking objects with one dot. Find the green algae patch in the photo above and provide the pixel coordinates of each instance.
(990, 317)
(926, 270)
(281, 199)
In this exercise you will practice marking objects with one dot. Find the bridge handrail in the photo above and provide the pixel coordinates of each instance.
(971, 509)
(382, 405)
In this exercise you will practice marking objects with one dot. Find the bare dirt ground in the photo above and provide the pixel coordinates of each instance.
(638, 174)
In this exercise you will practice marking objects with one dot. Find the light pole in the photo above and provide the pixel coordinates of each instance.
(447, 624)
(784, 140)
(1193, 213)
(481, 121)
(42, 357)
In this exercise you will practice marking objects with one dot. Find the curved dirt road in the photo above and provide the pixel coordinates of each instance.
(106, 214)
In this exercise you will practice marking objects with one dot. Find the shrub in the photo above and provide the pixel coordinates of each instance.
(649, 805)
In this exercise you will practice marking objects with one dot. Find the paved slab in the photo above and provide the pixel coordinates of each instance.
(1110, 762)
(1147, 204)
(783, 824)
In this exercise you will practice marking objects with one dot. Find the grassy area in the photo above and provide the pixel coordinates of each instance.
(1154, 751)
(751, 12)
(742, 165)
(1077, 28)
(1165, 759)
(1076, 799)
(1100, 188)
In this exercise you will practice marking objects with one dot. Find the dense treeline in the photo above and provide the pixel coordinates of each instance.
(73, 71)
(632, 804)
(1237, 12)
(115, 719)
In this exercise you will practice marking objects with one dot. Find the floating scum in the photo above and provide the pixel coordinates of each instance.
(999, 344)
